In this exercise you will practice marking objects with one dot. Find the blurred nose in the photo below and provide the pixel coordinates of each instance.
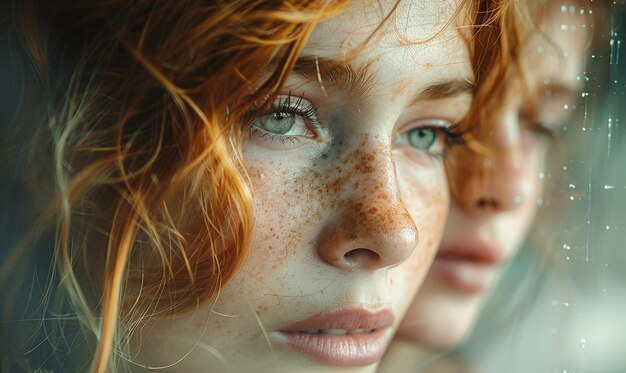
(501, 182)
(371, 229)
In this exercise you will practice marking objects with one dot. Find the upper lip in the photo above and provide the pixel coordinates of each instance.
(472, 251)
(347, 319)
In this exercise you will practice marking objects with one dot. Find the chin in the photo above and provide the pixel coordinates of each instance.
(437, 336)
(440, 321)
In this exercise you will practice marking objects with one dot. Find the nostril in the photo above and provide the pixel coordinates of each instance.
(361, 256)
(487, 203)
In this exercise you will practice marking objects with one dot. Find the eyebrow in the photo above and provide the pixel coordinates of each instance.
(355, 80)
(358, 80)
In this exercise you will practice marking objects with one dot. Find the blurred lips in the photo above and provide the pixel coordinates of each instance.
(354, 337)
(469, 267)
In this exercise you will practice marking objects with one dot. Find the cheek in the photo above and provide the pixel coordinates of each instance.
(426, 196)
(531, 176)
(286, 209)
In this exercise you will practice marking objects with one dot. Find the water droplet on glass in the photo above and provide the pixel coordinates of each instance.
(540, 201)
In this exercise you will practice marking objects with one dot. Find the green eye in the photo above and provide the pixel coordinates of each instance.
(277, 123)
(422, 138)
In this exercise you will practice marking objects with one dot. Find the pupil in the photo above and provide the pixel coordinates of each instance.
(422, 138)
(279, 123)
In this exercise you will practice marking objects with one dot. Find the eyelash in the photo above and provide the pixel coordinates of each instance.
(308, 112)
(454, 135)
(544, 130)
(538, 127)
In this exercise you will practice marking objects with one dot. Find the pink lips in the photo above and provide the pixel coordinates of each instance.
(354, 337)
(469, 267)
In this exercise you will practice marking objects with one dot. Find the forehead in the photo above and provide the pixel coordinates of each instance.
(558, 51)
(401, 40)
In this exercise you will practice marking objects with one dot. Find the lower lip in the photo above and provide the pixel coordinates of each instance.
(464, 275)
(340, 350)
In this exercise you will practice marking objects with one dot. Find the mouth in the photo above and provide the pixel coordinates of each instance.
(470, 268)
(355, 337)
(337, 331)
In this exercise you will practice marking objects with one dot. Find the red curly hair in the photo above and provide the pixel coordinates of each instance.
(134, 158)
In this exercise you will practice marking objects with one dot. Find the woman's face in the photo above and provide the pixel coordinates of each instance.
(492, 216)
(350, 200)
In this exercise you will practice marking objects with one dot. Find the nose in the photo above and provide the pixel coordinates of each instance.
(371, 229)
(501, 182)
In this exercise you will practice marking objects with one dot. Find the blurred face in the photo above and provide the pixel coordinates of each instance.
(492, 216)
(350, 200)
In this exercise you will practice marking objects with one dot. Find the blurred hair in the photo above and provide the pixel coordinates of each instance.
(495, 51)
(123, 129)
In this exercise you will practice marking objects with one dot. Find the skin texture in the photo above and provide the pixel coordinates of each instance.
(493, 214)
(348, 214)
